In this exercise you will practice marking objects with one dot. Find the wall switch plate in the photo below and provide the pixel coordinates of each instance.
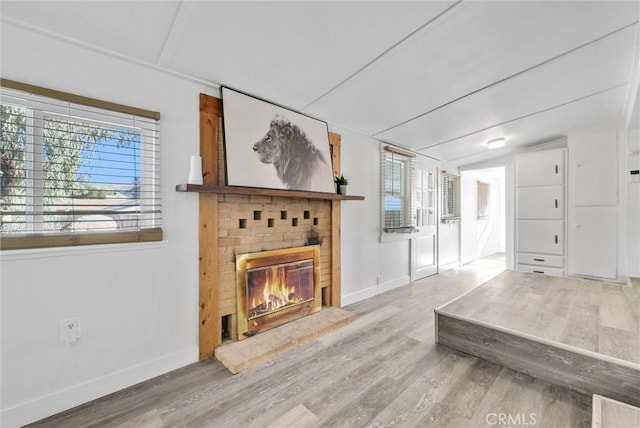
(70, 330)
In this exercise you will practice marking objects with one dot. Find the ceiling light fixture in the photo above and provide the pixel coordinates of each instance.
(496, 143)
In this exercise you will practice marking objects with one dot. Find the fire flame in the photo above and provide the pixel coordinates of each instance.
(275, 293)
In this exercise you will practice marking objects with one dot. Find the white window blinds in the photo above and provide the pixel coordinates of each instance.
(398, 179)
(450, 197)
(69, 168)
(483, 193)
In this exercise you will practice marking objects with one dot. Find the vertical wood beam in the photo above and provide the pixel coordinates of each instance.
(209, 321)
(210, 114)
(335, 141)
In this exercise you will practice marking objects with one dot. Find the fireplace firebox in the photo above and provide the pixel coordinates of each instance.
(276, 287)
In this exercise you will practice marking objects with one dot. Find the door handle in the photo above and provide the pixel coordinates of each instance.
(557, 169)
(556, 239)
(556, 202)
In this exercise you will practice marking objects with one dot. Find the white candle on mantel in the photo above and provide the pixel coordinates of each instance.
(195, 170)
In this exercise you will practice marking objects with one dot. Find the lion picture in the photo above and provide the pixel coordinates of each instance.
(269, 146)
(295, 158)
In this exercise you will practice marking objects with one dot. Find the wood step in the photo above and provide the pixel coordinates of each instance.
(579, 370)
(608, 413)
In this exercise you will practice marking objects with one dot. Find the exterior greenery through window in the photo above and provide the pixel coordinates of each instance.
(72, 169)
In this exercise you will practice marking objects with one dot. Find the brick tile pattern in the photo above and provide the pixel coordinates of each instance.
(248, 224)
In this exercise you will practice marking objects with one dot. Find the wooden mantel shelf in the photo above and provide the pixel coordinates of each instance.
(265, 192)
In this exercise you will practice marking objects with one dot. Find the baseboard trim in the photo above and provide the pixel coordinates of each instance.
(64, 399)
(350, 298)
(451, 265)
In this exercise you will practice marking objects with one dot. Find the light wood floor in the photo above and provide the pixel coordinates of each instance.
(382, 370)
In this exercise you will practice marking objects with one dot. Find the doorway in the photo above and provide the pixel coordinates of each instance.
(483, 214)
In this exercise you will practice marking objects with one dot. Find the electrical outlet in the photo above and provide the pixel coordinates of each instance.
(70, 330)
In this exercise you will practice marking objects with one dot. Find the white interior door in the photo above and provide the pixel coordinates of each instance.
(424, 242)
(594, 251)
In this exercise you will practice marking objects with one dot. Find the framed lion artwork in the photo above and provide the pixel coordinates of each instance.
(273, 147)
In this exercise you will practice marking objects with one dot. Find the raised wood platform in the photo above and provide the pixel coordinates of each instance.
(608, 413)
(582, 335)
(238, 356)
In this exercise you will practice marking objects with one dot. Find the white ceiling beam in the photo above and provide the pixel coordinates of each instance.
(175, 32)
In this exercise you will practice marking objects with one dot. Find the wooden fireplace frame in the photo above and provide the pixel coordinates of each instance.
(210, 325)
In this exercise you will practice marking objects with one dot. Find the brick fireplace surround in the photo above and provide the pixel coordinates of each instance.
(281, 223)
(236, 221)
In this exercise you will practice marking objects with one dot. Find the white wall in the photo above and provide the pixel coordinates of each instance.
(448, 246)
(482, 237)
(369, 267)
(632, 192)
(137, 303)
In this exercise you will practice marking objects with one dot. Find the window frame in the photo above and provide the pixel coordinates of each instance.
(407, 177)
(483, 200)
(450, 192)
(425, 206)
(92, 110)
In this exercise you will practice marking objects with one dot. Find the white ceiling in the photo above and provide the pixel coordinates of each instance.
(441, 78)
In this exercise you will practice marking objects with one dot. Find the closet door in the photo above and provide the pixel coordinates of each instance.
(545, 168)
(545, 237)
(593, 225)
(595, 170)
(545, 203)
(594, 239)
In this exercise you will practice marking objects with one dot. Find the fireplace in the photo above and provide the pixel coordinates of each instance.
(276, 287)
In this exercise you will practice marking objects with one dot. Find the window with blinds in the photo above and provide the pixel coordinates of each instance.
(74, 173)
(397, 181)
(483, 195)
(450, 197)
